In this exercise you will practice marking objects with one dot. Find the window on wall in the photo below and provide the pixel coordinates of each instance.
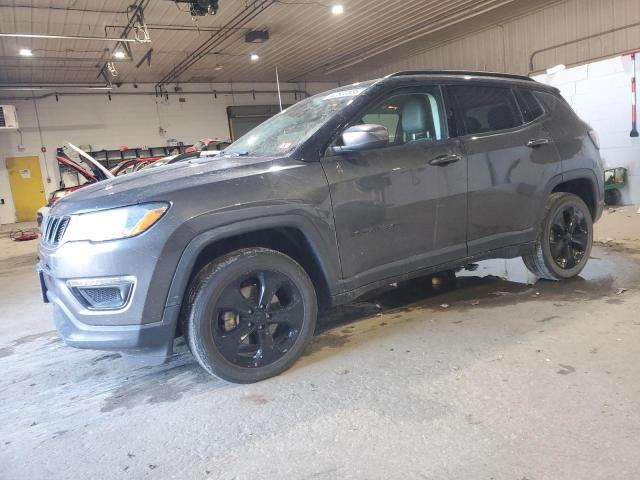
(530, 107)
(486, 109)
(409, 115)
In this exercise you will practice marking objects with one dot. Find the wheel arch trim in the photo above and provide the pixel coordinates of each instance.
(327, 261)
(582, 174)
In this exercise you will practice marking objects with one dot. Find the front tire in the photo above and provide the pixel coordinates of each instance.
(564, 240)
(249, 315)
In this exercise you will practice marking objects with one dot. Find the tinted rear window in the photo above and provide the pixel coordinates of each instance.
(486, 109)
(531, 108)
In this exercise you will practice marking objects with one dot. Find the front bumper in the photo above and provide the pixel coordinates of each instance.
(154, 341)
(144, 325)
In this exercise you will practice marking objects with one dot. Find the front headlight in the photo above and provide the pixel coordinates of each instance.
(114, 223)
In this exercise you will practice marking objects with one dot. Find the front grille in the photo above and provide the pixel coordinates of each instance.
(54, 229)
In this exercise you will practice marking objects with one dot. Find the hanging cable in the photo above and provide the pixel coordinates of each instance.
(42, 147)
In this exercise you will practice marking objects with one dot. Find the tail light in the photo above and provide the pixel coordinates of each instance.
(593, 135)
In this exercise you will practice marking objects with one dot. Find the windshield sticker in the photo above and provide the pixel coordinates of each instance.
(345, 93)
(285, 146)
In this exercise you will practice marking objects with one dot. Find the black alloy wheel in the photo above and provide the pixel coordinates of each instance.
(568, 237)
(257, 318)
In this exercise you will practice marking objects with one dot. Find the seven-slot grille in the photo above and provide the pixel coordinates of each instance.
(54, 229)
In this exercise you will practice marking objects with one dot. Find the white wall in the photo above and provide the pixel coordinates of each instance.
(600, 93)
(129, 120)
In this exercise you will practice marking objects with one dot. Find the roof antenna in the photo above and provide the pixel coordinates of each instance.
(278, 83)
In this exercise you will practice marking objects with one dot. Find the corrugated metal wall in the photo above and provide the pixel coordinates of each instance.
(507, 47)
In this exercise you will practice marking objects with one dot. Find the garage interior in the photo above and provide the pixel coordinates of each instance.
(497, 375)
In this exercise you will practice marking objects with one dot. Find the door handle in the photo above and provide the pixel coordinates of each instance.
(537, 142)
(444, 160)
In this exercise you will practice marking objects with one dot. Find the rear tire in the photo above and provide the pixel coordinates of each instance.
(564, 240)
(249, 315)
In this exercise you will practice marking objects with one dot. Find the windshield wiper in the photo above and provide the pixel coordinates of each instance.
(235, 154)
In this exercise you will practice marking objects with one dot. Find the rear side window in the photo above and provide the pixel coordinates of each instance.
(556, 106)
(530, 107)
(486, 109)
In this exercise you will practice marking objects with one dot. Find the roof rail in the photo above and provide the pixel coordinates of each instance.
(461, 72)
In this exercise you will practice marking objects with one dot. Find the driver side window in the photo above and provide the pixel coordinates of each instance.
(409, 115)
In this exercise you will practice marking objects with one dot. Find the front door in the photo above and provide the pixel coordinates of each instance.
(27, 188)
(401, 207)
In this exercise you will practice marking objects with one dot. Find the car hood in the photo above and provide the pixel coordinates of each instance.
(163, 183)
(88, 176)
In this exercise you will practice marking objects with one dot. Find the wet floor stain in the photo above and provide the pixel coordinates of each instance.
(108, 356)
(326, 340)
(168, 385)
(614, 301)
(565, 369)
(9, 350)
(603, 276)
(618, 247)
(257, 398)
(6, 351)
(8, 265)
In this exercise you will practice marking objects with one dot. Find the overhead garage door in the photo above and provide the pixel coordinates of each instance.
(244, 118)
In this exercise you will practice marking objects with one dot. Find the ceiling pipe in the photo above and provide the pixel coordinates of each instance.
(49, 86)
(62, 59)
(72, 37)
(177, 28)
(577, 40)
(215, 40)
(66, 9)
(112, 93)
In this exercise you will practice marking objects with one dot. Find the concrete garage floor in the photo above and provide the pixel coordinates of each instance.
(511, 381)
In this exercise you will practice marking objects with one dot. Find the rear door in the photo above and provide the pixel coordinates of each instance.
(510, 161)
(401, 207)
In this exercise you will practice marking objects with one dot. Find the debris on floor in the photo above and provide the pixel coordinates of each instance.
(23, 235)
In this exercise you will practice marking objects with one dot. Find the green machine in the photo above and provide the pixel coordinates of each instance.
(614, 180)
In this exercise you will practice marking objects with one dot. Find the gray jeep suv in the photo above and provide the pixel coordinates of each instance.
(344, 192)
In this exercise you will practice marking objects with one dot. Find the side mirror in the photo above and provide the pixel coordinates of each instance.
(363, 137)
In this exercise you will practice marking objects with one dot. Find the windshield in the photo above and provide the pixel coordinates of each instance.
(288, 129)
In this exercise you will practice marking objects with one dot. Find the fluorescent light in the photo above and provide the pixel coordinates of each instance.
(119, 54)
(218, 67)
(337, 9)
(25, 52)
(254, 57)
(556, 69)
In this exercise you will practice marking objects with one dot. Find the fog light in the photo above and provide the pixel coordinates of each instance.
(103, 293)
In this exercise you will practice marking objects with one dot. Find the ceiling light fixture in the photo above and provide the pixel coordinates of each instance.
(218, 67)
(25, 52)
(254, 57)
(337, 9)
(119, 54)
